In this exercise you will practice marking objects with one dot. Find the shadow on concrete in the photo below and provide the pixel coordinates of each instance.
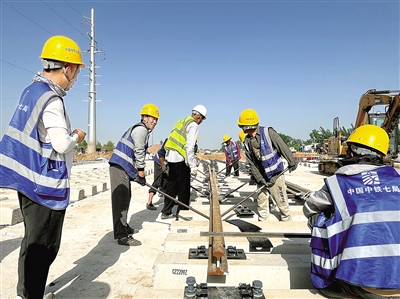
(299, 276)
(9, 246)
(79, 282)
(137, 219)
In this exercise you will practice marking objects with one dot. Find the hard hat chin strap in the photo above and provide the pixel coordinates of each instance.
(70, 81)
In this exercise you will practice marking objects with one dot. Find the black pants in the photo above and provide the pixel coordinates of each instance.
(178, 183)
(159, 178)
(120, 200)
(235, 167)
(39, 247)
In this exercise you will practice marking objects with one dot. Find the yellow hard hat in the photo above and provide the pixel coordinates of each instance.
(248, 117)
(226, 138)
(371, 136)
(150, 109)
(63, 49)
(242, 136)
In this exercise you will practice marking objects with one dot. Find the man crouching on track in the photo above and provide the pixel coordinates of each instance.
(355, 220)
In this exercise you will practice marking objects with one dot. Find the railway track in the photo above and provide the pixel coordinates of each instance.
(217, 258)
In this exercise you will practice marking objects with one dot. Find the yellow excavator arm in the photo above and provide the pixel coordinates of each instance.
(388, 120)
(373, 98)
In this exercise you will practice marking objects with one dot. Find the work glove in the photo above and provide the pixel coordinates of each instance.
(292, 168)
(141, 180)
(165, 169)
(193, 172)
(197, 161)
(266, 184)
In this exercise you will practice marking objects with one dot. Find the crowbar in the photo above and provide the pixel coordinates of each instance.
(230, 192)
(204, 194)
(226, 167)
(257, 190)
(243, 200)
(177, 201)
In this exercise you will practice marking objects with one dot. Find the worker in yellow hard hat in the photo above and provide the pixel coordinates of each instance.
(355, 223)
(37, 155)
(232, 155)
(242, 136)
(265, 151)
(128, 163)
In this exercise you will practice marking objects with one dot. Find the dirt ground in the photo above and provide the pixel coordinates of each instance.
(154, 148)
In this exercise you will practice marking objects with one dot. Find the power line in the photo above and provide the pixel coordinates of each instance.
(16, 66)
(73, 8)
(27, 17)
(61, 17)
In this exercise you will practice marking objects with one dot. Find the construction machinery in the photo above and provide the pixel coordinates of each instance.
(388, 120)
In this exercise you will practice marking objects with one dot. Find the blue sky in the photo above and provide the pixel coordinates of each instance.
(299, 64)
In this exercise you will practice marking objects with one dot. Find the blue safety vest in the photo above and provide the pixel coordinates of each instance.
(124, 153)
(270, 158)
(360, 243)
(27, 164)
(232, 151)
(156, 157)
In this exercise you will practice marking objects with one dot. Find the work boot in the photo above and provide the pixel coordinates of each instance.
(129, 241)
(337, 290)
(170, 216)
(150, 206)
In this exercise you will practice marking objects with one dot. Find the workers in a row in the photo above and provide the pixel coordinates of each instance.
(354, 218)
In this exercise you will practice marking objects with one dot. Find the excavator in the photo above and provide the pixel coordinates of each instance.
(388, 120)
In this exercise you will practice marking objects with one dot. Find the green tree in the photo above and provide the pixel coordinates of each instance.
(83, 144)
(347, 132)
(109, 146)
(98, 146)
(291, 142)
(319, 135)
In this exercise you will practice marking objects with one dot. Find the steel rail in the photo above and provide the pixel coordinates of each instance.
(257, 234)
(217, 259)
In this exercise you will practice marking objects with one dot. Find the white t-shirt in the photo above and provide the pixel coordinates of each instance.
(54, 127)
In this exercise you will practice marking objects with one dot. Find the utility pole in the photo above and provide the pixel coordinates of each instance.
(91, 140)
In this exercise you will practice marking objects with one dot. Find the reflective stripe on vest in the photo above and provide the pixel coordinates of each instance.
(124, 154)
(360, 243)
(28, 165)
(177, 138)
(271, 161)
(232, 151)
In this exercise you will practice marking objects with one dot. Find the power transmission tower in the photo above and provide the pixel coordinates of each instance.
(91, 139)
